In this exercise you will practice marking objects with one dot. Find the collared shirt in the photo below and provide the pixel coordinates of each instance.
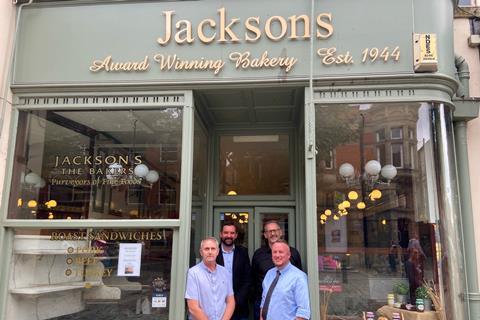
(262, 262)
(209, 288)
(228, 259)
(290, 297)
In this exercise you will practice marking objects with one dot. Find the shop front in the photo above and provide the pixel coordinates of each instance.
(139, 128)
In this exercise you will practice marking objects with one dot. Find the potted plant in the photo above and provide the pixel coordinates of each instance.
(422, 293)
(401, 289)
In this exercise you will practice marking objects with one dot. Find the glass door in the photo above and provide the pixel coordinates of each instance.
(284, 217)
(250, 222)
(242, 218)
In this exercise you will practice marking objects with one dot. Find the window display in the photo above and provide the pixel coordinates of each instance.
(90, 274)
(376, 209)
(115, 164)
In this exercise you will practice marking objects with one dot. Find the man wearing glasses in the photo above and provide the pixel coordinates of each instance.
(262, 261)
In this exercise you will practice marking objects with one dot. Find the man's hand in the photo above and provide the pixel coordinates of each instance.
(230, 308)
(195, 310)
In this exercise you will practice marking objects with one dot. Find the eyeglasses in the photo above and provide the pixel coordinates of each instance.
(272, 231)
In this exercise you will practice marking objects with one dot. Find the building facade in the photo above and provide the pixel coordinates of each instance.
(466, 47)
(138, 128)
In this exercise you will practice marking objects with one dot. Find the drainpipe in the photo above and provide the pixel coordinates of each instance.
(463, 76)
(472, 296)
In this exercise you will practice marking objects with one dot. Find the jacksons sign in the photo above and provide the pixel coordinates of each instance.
(223, 30)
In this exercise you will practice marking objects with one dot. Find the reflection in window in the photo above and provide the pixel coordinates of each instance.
(91, 274)
(397, 155)
(373, 212)
(122, 164)
(255, 165)
(380, 135)
(396, 133)
(199, 190)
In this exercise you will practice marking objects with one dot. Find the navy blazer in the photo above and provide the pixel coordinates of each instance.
(241, 278)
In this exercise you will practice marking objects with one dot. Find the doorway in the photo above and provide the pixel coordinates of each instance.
(250, 222)
(252, 170)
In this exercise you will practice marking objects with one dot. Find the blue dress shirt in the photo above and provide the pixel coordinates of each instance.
(210, 289)
(228, 259)
(290, 297)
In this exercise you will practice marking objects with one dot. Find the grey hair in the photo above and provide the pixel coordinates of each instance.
(209, 239)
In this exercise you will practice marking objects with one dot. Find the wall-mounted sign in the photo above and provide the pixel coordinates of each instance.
(197, 41)
(425, 52)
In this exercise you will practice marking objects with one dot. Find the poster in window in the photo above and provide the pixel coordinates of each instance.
(336, 235)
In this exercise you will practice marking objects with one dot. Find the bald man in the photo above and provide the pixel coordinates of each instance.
(285, 288)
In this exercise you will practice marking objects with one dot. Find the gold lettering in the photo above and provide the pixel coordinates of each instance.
(123, 160)
(244, 60)
(226, 28)
(252, 29)
(325, 25)
(107, 272)
(110, 159)
(306, 26)
(201, 34)
(187, 31)
(172, 62)
(75, 160)
(108, 65)
(101, 64)
(66, 161)
(330, 56)
(168, 28)
(268, 27)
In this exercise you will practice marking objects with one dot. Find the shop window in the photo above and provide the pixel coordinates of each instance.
(329, 160)
(254, 165)
(380, 135)
(411, 134)
(373, 213)
(381, 153)
(90, 274)
(114, 164)
(396, 133)
(397, 155)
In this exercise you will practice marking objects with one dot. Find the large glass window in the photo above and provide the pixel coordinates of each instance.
(115, 164)
(90, 274)
(254, 165)
(375, 215)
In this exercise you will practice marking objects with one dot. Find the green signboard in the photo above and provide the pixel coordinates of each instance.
(205, 41)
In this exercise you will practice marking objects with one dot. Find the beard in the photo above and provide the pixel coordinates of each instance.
(227, 241)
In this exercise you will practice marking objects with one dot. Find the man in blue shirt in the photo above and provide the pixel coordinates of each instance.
(235, 259)
(262, 261)
(209, 290)
(285, 288)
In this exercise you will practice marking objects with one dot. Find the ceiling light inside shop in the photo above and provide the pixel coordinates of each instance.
(261, 138)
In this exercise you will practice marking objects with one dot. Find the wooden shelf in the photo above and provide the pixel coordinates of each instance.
(38, 290)
(49, 252)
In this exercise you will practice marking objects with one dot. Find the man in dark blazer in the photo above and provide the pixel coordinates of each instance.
(235, 259)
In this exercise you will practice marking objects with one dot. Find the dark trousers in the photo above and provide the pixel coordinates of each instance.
(256, 309)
